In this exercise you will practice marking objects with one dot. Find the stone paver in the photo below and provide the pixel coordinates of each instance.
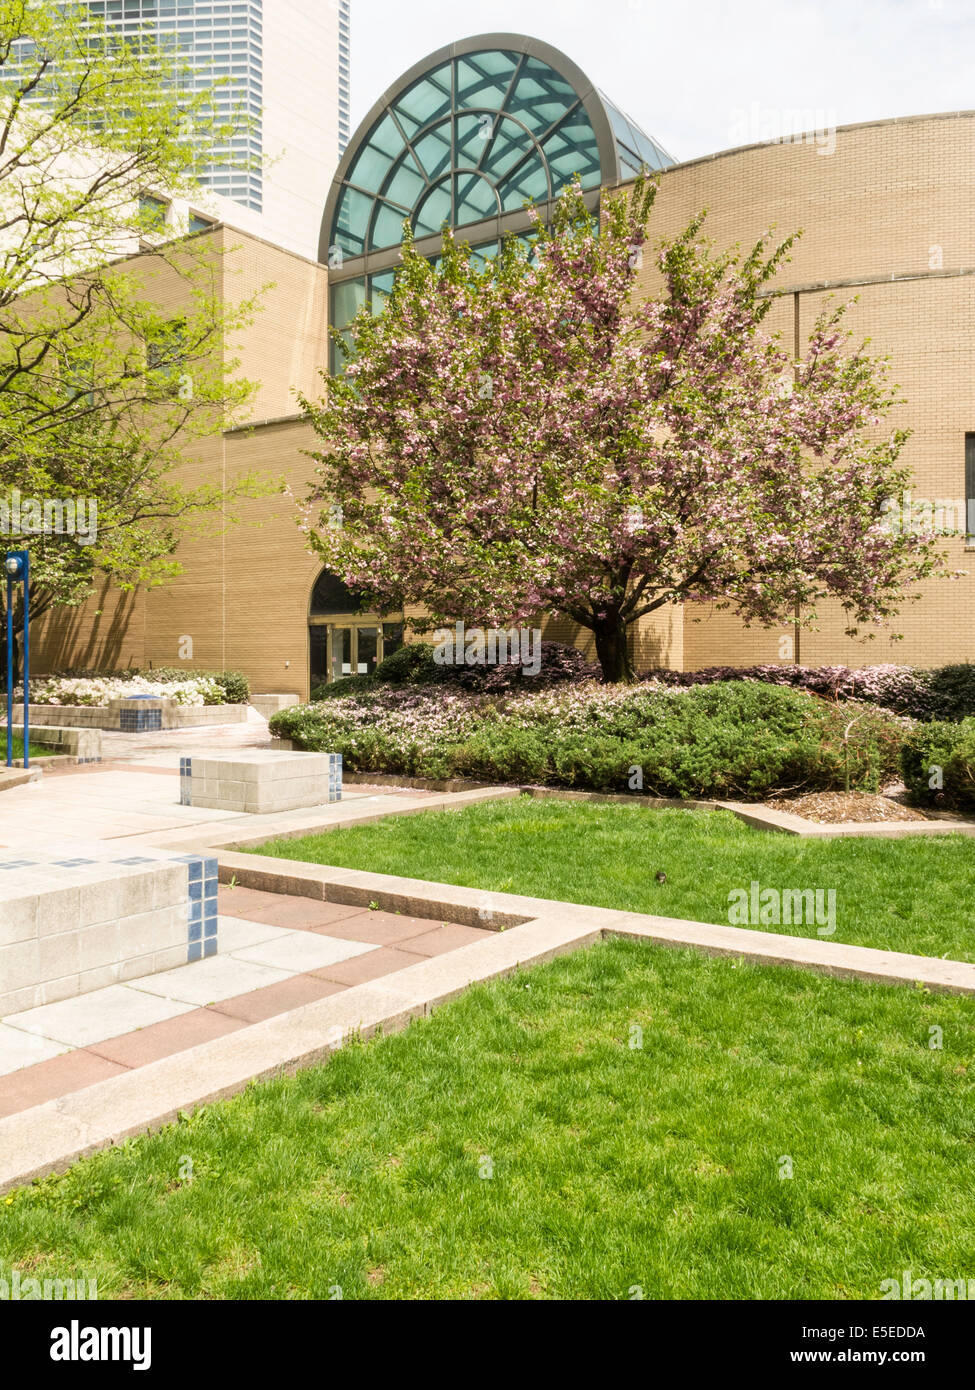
(380, 928)
(19, 1049)
(102, 1013)
(302, 950)
(279, 910)
(371, 966)
(238, 932)
(260, 1004)
(207, 981)
(446, 937)
(72, 1071)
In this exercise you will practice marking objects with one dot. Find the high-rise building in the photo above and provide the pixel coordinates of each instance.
(285, 63)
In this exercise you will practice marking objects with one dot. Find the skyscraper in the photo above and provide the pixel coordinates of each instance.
(285, 63)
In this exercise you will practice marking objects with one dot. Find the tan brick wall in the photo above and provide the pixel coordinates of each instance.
(876, 207)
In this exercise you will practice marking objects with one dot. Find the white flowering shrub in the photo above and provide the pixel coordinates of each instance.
(100, 691)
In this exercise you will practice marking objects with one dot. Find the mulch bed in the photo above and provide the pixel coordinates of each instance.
(835, 808)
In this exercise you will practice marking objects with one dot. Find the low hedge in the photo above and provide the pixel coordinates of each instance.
(945, 693)
(736, 740)
(235, 685)
(938, 765)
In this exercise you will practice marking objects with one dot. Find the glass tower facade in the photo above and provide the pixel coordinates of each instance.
(216, 41)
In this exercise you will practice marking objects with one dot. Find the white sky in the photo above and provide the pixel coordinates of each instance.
(705, 75)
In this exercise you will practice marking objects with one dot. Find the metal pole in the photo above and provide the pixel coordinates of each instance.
(26, 672)
(10, 673)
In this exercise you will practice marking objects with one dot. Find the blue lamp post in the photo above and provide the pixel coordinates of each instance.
(17, 569)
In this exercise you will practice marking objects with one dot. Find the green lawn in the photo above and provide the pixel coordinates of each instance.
(517, 1144)
(36, 750)
(908, 895)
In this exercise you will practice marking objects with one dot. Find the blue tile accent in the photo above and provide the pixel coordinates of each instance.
(20, 864)
(140, 721)
(186, 781)
(136, 859)
(201, 904)
(72, 863)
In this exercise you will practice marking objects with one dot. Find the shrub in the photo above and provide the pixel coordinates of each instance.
(735, 740)
(945, 693)
(941, 752)
(218, 687)
(411, 662)
(234, 687)
(953, 690)
(100, 691)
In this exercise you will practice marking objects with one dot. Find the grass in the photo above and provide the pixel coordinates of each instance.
(36, 750)
(527, 1141)
(901, 895)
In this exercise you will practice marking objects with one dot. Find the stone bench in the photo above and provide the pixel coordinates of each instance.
(82, 919)
(260, 780)
(83, 744)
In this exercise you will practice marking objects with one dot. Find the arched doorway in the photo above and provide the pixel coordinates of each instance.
(344, 640)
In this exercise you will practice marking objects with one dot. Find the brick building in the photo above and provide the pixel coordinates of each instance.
(887, 211)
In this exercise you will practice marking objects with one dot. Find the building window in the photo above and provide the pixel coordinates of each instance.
(970, 486)
(166, 355)
(153, 213)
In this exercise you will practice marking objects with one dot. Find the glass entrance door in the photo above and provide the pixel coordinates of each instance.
(346, 648)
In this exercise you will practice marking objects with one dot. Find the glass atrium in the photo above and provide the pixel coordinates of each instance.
(467, 138)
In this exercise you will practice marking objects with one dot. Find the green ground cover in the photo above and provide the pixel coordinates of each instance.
(627, 1118)
(909, 895)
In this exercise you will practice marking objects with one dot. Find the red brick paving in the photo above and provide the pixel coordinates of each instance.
(279, 910)
(446, 937)
(259, 1004)
(382, 928)
(72, 1071)
(163, 1039)
(371, 966)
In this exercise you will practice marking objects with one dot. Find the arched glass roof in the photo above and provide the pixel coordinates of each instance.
(468, 136)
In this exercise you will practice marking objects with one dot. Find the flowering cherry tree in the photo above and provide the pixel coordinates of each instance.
(536, 435)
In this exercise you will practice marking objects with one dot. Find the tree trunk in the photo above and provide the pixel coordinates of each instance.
(613, 653)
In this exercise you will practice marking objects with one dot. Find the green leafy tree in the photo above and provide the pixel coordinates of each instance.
(113, 328)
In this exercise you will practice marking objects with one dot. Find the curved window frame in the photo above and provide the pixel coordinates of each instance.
(614, 160)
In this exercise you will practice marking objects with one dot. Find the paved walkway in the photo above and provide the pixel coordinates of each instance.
(137, 795)
(276, 953)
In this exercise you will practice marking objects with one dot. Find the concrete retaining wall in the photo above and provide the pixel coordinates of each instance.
(73, 924)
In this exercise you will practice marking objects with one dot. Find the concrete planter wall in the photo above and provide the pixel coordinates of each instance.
(88, 717)
(266, 705)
